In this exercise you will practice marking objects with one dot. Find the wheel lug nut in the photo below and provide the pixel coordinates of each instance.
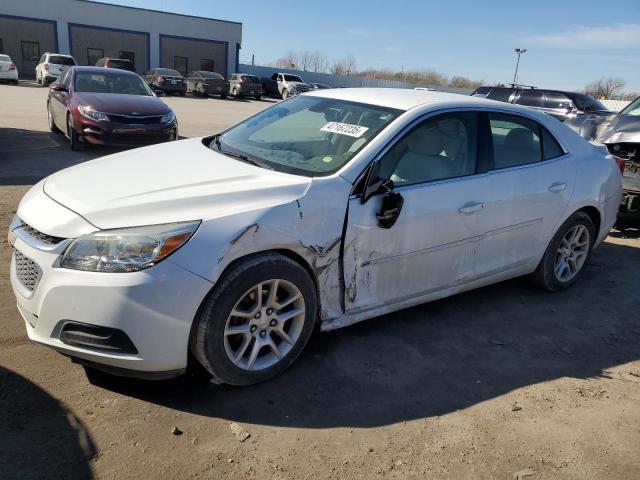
(257, 316)
(270, 311)
(273, 323)
(263, 333)
(253, 328)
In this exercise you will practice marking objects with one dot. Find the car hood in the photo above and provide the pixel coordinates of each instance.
(169, 182)
(122, 104)
(607, 129)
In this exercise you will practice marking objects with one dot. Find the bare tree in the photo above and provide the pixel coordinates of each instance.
(304, 60)
(290, 60)
(464, 82)
(607, 88)
(319, 62)
(344, 66)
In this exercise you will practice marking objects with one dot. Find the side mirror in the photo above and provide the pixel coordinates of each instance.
(373, 182)
(390, 209)
(58, 87)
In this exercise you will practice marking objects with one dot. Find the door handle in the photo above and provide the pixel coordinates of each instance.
(557, 187)
(469, 208)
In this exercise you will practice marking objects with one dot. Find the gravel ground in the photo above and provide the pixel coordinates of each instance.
(503, 382)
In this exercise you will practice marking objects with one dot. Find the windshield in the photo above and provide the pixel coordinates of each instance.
(292, 78)
(168, 72)
(633, 108)
(111, 83)
(59, 60)
(306, 135)
(215, 75)
(250, 79)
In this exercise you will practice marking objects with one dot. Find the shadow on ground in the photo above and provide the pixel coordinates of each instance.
(29, 155)
(39, 437)
(436, 358)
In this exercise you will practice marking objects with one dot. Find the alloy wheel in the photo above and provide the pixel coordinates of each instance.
(572, 253)
(264, 325)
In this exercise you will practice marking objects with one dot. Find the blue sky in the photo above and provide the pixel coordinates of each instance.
(569, 42)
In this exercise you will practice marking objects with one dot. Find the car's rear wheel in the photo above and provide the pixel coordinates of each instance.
(567, 255)
(74, 138)
(50, 121)
(256, 321)
(258, 98)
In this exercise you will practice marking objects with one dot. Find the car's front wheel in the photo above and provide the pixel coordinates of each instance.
(566, 256)
(256, 321)
(52, 123)
(74, 138)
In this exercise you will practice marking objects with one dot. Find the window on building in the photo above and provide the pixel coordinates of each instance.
(181, 64)
(30, 51)
(206, 64)
(93, 55)
(131, 56)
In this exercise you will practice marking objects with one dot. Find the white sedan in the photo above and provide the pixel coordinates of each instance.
(327, 209)
(8, 69)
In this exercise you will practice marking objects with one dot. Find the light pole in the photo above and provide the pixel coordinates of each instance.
(519, 51)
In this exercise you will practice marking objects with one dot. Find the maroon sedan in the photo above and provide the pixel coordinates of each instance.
(108, 107)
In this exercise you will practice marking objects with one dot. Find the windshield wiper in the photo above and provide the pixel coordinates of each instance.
(240, 156)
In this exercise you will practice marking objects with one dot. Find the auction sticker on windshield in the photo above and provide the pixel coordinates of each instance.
(344, 129)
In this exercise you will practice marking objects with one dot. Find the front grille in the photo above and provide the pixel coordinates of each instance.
(38, 235)
(27, 271)
(132, 120)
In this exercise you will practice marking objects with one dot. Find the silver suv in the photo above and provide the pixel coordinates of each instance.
(51, 66)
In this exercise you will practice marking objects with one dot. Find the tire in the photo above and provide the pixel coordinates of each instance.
(546, 275)
(223, 96)
(213, 349)
(285, 94)
(258, 97)
(52, 124)
(74, 138)
(182, 94)
(234, 92)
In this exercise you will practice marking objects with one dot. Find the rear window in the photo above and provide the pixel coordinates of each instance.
(530, 98)
(215, 75)
(4, 58)
(168, 72)
(60, 60)
(481, 91)
(250, 79)
(121, 64)
(500, 94)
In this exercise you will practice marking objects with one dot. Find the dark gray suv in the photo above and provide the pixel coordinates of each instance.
(559, 104)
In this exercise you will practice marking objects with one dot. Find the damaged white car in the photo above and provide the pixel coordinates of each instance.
(327, 209)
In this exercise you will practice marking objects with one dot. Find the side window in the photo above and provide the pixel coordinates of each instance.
(556, 100)
(530, 98)
(500, 94)
(550, 146)
(439, 148)
(515, 140)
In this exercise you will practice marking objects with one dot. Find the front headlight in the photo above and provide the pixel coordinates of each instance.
(93, 114)
(126, 249)
(168, 117)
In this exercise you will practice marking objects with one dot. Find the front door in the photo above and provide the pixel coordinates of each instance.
(432, 244)
(30, 52)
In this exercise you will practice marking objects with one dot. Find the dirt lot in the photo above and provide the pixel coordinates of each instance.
(503, 382)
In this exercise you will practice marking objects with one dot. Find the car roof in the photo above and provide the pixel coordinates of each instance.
(102, 70)
(404, 98)
(58, 54)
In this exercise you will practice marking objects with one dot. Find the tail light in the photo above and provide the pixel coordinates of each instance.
(46, 67)
(12, 67)
(621, 162)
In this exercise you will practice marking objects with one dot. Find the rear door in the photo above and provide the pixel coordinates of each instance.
(431, 246)
(530, 181)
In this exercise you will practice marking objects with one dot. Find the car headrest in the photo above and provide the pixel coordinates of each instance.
(519, 138)
(425, 141)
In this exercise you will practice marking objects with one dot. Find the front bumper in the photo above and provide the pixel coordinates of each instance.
(115, 134)
(154, 308)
